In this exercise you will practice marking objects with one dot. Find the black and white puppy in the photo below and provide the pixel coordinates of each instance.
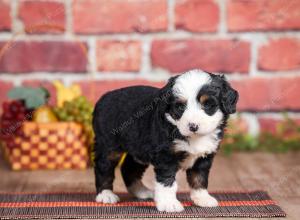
(179, 126)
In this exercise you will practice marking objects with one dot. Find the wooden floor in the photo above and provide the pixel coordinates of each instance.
(279, 174)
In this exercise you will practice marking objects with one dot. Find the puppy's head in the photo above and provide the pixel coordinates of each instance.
(199, 101)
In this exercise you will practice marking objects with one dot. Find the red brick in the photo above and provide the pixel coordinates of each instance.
(5, 20)
(4, 88)
(119, 16)
(119, 55)
(43, 83)
(281, 54)
(216, 56)
(246, 15)
(95, 89)
(271, 124)
(197, 16)
(41, 17)
(268, 124)
(52, 56)
(268, 94)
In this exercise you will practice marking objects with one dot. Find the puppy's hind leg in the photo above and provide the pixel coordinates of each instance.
(104, 173)
(132, 173)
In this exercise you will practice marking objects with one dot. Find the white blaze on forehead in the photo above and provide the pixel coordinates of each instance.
(187, 87)
(188, 84)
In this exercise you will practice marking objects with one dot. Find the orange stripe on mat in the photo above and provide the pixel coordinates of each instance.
(121, 204)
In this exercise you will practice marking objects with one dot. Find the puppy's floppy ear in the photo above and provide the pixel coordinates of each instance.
(170, 83)
(229, 97)
(166, 91)
(164, 96)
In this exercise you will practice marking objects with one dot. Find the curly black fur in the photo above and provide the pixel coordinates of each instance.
(133, 120)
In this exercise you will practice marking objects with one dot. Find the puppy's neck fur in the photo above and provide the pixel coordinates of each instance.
(196, 147)
(200, 145)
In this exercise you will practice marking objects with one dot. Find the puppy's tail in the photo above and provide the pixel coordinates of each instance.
(121, 161)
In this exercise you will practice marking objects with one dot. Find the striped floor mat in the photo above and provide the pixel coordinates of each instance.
(81, 205)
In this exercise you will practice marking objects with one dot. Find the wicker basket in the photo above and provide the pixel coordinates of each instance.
(58, 145)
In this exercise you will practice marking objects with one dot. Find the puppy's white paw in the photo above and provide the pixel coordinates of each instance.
(140, 191)
(165, 198)
(145, 194)
(169, 206)
(107, 196)
(206, 202)
(203, 199)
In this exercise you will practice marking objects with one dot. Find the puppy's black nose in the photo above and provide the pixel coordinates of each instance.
(193, 127)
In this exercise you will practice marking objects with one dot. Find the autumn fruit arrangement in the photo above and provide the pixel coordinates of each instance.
(37, 135)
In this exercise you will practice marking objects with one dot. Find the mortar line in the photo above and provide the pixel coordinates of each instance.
(222, 29)
(171, 15)
(92, 57)
(178, 34)
(146, 59)
(69, 18)
(16, 24)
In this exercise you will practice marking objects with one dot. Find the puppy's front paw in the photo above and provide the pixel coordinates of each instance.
(169, 206)
(107, 196)
(203, 199)
(165, 198)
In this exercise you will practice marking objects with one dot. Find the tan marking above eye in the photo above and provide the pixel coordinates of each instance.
(203, 98)
(182, 101)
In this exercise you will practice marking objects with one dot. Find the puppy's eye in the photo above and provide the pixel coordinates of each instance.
(209, 103)
(177, 109)
(180, 105)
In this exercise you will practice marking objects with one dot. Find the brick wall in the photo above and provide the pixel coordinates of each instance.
(106, 44)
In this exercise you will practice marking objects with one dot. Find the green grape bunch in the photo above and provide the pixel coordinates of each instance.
(78, 110)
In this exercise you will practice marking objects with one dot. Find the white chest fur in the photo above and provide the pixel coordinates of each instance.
(196, 147)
